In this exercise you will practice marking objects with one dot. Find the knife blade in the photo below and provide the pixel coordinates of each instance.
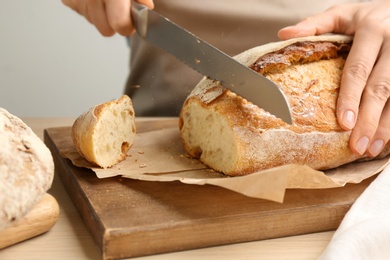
(210, 61)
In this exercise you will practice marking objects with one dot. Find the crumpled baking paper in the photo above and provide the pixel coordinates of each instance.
(160, 156)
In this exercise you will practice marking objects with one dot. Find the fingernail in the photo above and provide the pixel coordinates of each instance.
(349, 119)
(376, 147)
(362, 144)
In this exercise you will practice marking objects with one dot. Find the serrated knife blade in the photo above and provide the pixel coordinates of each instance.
(210, 61)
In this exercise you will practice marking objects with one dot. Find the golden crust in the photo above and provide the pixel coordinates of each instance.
(104, 133)
(245, 138)
(26, 168)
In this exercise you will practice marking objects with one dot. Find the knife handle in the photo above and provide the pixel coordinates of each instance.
(139, 16)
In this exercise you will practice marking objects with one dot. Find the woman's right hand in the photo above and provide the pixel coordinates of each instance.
(108, 16)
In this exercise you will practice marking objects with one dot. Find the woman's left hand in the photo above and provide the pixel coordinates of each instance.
(363, 104)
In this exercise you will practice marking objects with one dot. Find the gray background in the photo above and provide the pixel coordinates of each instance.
(54, 63)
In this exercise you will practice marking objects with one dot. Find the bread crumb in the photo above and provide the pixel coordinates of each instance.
(142, 165)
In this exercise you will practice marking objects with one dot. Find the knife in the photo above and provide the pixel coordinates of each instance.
(210, 61)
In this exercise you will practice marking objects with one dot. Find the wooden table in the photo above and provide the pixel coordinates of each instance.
(69, 239)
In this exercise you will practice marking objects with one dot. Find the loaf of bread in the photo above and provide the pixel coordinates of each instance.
(233, 136)
(104, 133)
(26, 169)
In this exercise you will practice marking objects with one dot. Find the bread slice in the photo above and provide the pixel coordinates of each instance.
(104, 133)
(233, 136)
(26, 168)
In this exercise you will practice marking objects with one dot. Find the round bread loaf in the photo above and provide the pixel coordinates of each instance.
(233, 136)
(104, 133)
(26, 168)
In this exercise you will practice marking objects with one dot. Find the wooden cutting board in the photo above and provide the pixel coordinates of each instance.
(129, 218)
(40, 219)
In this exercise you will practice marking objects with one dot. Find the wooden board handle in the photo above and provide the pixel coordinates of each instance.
(39, 220)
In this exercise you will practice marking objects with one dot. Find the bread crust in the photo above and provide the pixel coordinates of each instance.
(104, 133)
(244, 138)
(26, 168)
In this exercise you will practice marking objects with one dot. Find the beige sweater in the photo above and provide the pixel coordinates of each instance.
(158, 84)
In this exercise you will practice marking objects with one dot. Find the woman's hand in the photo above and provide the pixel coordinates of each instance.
(363, 104)
(108, 16)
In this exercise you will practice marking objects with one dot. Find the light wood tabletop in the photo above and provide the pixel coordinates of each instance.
(69, 238)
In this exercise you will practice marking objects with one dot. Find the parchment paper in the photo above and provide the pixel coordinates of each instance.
(160, 156)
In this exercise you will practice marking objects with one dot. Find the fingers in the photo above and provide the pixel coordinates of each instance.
(108, 16)
(371, 132)
(310, 26)
(332, 20)
(381, 137)
(365, 86)
(119, 15)
(95, 12)
(357, 69)
(148, 3)
(362, 105)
